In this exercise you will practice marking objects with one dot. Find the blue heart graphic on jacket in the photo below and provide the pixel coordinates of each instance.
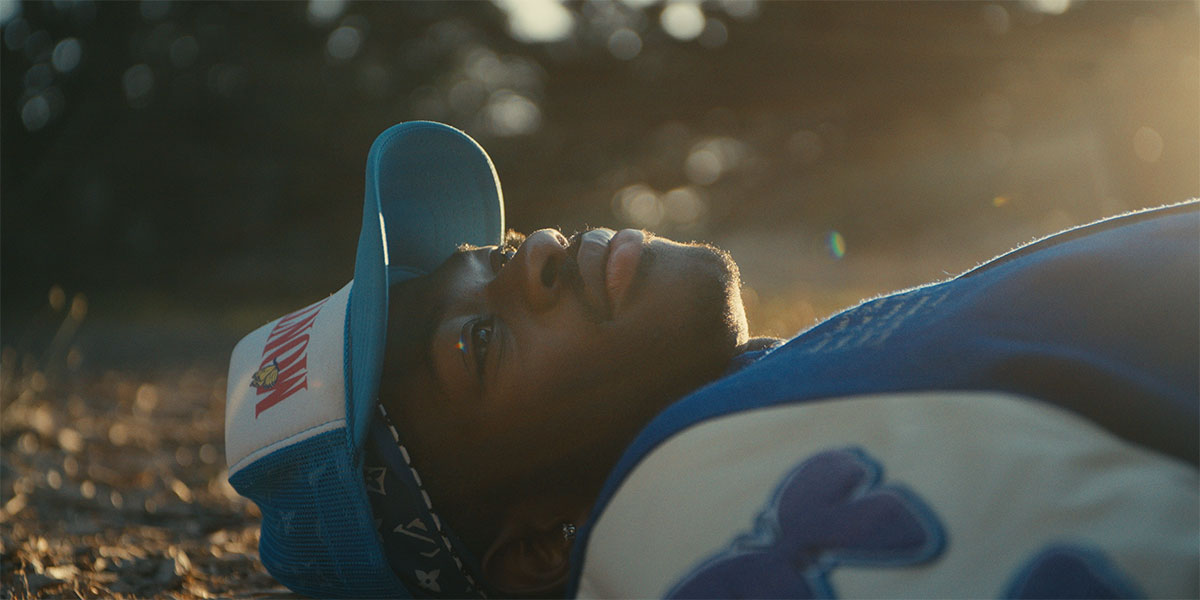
(830, 510)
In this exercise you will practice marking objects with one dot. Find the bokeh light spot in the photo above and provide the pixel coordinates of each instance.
(15, 33)
(837, 244)
(321, 12)
(740, 9)
(184, 51)
(344, 42)
(625, 43)
(138, 82)
(58, 298)
(208, 454)
(509, 113)
(66, 55)
(118, 434)
(683, 205)
(638, 204)
(703, 166)
(35, 114)
(682, 20)
(8, 10)
(537, 21)
(146, 399)
(710, 159)
(1048, 7)
(1147, 144)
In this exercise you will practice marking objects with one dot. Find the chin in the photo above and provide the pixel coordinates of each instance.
(691, 294)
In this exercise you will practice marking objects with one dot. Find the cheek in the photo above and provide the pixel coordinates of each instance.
(549, 368)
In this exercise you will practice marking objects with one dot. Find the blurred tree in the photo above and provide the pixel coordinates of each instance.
(208, 152)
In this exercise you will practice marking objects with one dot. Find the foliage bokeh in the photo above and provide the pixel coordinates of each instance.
(190, 155)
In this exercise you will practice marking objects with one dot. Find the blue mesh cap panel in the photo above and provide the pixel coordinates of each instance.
(318, 536)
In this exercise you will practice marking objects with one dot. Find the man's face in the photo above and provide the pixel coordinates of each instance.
(504, 369)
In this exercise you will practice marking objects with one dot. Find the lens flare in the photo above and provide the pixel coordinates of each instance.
(837, 244)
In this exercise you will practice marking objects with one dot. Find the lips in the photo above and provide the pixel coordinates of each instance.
(624, 254)
(607, 264)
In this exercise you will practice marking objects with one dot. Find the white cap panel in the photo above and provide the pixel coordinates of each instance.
(287, 381)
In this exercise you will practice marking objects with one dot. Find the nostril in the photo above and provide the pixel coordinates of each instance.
(550, 272)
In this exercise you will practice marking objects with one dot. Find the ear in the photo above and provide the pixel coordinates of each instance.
(530, 557)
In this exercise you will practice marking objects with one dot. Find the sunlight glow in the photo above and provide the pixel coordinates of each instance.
(537, 21)
(682, 20)
(1049, 7)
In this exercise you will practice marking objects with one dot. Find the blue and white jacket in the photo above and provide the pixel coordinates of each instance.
(1026, 429)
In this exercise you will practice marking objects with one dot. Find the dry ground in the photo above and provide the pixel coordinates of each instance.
(113, 485)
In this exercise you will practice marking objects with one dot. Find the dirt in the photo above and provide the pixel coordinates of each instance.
(113, 485)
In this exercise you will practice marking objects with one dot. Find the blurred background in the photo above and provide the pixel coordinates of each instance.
(174, 174)
(202, 163)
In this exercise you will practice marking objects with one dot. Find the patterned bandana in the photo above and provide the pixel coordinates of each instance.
(419, 546)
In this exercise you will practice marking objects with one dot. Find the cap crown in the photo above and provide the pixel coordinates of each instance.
(288, 448)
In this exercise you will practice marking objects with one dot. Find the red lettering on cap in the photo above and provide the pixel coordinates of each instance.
(287, 352)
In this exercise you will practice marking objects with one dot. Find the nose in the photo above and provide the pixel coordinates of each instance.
(538, 262)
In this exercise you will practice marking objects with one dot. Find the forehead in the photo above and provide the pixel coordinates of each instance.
(438, 285)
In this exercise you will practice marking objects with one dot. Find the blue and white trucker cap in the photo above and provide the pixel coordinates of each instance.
(305, 436)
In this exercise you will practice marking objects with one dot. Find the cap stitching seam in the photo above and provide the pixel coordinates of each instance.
(437, 521)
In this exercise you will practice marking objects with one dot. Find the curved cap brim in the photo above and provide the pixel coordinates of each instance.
(429, 189)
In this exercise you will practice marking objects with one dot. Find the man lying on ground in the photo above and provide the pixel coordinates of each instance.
(480, 413)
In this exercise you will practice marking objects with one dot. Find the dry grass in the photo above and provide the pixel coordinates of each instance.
(113, 485)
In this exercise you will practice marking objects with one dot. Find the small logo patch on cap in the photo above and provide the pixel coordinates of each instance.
(266, 377)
